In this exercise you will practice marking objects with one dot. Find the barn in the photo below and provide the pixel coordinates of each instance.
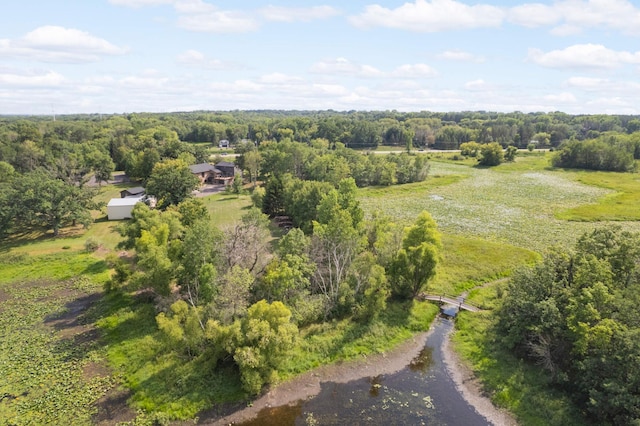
(120, 208)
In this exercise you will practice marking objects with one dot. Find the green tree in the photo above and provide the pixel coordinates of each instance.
(510, 153)
(197, 274)
(415, 263)
(171, 182)
(260, 343)
(491, 154)
(51, 203)
(252, 162)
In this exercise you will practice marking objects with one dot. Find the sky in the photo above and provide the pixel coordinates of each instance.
(125, 56)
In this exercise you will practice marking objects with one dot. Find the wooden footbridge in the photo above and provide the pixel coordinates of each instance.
(454, 301)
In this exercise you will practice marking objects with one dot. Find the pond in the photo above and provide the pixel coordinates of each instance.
(422, 393)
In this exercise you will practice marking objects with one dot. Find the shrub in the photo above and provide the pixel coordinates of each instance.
(91, 245)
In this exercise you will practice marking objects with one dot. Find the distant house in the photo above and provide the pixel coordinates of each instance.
(205, 172)
(223, 143)
(120, 208)
(222, 173)
(137, 191)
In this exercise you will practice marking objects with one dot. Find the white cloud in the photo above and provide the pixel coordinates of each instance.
(222, 22)
(576, 15)
(461, 56)
(430, 16)
(51, 43)
(31, 79)
(564, 97)
(587, 82)
(278, 78)
(414, 71)
(590, 56)
(193, 6)
(534, 15)
(342, 66)
(296, 14)
(197, 59)
(476, 85)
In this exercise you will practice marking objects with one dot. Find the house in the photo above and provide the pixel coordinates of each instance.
(120, 208)
(222, 173)
(223, 143)
(205, 172)
(137, 191)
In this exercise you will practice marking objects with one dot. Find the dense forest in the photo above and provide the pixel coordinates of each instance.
(235, 298)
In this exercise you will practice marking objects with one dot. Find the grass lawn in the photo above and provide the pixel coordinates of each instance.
(620, 204)
(226, 209)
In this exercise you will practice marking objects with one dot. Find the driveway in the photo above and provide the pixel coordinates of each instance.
(208, 189)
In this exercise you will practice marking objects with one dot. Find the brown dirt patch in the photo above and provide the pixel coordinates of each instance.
(92, 369)
(113, 408)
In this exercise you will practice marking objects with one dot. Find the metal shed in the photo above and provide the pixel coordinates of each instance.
(120, 208)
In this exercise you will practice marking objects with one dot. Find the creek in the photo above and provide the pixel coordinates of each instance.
(421, 393)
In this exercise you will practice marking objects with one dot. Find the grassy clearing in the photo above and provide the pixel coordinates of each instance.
(469, 262)
(521, 388)
(48, 358)
(619, 205)
(517, 208)
(226, 209)
(326, 343)
(60, 266)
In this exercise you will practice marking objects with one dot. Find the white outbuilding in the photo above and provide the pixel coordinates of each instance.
(120, 208)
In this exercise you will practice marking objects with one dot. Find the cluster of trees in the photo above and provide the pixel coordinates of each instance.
(578, 315)
(319, 163)
(611, 153)
(228, 296)
(488, 154)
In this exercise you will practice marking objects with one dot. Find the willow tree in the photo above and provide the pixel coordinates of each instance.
(415, 263)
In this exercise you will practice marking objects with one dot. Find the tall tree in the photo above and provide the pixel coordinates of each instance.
(171, 182)
(415, 263)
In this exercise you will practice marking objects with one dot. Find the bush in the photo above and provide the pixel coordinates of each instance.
(91, 245)
(491, 154)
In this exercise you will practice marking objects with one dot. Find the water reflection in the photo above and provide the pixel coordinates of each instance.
(423, 361)
(376, 384)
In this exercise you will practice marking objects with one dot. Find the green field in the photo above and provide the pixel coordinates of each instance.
(514, 204)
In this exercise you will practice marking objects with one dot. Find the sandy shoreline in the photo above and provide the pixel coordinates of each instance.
(307, 385)
(471, 389)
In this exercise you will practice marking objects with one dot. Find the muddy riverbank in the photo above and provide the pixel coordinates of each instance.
(444, 392)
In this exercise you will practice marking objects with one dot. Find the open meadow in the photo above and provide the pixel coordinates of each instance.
(70, 354)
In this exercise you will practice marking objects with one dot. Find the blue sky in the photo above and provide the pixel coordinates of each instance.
(115, 56)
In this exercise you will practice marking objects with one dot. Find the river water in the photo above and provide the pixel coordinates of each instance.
(422, 393)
